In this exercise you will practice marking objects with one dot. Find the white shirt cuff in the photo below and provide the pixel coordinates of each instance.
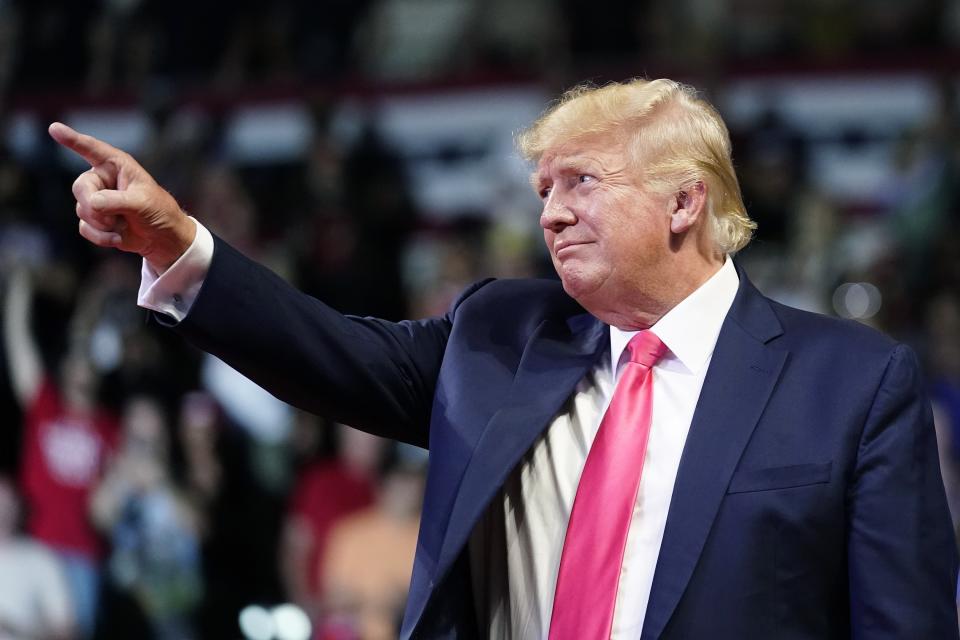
(172, 292)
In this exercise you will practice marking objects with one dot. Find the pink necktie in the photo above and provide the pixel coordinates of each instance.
(597, 533)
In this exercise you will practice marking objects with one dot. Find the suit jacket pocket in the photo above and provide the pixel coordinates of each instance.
(795, 475)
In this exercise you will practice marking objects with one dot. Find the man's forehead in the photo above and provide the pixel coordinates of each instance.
(578, 153)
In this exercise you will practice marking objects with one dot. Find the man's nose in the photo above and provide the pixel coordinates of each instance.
(556, 214)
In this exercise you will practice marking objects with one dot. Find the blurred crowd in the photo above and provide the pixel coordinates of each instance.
(147, 490)
(106, 45)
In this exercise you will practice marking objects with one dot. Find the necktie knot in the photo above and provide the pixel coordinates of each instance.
(646, 349)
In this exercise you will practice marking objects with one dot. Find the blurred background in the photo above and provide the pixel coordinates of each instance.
(363, 150)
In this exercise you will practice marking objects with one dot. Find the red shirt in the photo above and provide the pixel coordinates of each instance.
(63, 459)
(323, 495)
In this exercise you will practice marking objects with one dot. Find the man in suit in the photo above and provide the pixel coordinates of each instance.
(648, 448)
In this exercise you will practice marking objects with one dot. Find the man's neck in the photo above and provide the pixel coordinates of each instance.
(643, 309)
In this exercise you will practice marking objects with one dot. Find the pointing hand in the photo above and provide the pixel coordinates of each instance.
(120, 205)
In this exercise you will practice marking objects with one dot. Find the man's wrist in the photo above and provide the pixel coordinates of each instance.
(173, 291)
(161, 257)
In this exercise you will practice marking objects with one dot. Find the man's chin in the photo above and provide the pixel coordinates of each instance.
(578, 287)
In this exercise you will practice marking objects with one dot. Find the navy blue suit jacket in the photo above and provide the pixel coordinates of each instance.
(808, 502)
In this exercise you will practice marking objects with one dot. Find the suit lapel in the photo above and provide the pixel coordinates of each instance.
(555, 359)
(738, 384)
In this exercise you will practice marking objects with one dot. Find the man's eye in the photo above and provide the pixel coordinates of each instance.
(583, 177)
(544, 193)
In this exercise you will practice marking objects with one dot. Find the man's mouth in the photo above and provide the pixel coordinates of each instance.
(562, 248)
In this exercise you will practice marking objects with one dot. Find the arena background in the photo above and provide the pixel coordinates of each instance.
(363, 149)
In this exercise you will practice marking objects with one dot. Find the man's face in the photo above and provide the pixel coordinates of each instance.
(607, 236)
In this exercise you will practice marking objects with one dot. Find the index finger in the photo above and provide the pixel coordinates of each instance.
(92, 150)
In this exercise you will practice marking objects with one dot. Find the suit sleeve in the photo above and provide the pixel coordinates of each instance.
(372, 374)
(902, 556)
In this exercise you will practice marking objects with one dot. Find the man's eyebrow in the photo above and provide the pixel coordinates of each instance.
(576, 164)
(566, 165)
(571, 164)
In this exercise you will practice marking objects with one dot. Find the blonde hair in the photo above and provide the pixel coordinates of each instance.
(674, 137)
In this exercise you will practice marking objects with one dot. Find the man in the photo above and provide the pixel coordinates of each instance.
(760, 472)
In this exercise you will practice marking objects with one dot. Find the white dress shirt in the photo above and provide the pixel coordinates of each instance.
(515, 549)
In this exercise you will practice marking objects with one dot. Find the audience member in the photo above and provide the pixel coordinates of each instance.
(326, 492)
(35, 603)
(369, 556)
(67, 440)
(155, 561)
(202, 471)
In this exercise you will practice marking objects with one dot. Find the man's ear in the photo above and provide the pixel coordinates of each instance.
(689, 206)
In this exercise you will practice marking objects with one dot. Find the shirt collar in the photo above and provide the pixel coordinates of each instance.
(690, 330)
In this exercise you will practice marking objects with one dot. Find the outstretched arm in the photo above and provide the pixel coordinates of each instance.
(375, 375)
(23, 355)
